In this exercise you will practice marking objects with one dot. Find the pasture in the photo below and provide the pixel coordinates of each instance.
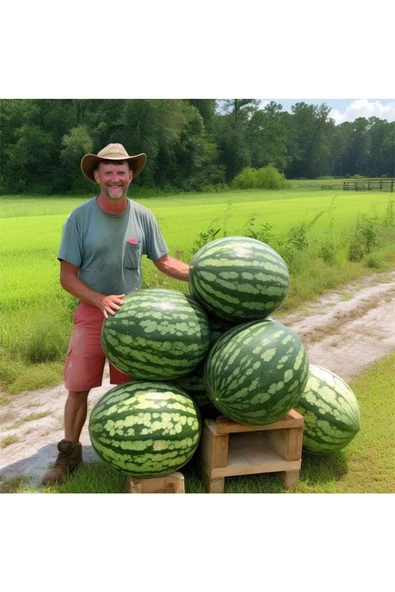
(312, 230)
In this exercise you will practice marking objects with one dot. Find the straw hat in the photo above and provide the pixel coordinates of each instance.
(112, 152)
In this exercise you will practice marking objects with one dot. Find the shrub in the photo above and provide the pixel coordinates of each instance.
(328, 252)
(245, 180)
(365, 237)
(270, 178)
(267, 177)
(355, 250)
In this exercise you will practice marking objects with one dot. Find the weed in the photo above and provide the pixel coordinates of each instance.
(355, 251)
(263, 234)
(328, 251)
(373, 262)
(205, 237)
(365, 237)
(7, 441)
(14, 484)
(32, 417)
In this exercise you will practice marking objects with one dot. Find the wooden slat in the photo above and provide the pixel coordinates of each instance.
(214, 445)
(290, 479)
(274, 466)
(226, 426)
(173, 483)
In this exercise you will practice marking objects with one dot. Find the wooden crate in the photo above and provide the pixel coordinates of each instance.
(173, 483)
(229, 448)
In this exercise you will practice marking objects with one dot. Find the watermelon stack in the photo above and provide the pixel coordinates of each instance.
(214, 352)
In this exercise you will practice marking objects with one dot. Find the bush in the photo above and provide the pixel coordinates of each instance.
(245, 180)
(355, 251)
(267, 177)
(328, 252)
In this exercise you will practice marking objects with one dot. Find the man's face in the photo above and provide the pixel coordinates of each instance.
(114, 179)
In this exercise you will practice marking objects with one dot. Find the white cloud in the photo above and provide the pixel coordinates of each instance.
(364, 108)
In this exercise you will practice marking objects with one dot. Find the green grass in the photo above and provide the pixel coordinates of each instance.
(36, 314)
(366, 465)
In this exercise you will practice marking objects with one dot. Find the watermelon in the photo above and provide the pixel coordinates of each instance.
(157, 334)
(256, 372)
(239, 279)
(193, 383)
(145, 429)
(331, 412)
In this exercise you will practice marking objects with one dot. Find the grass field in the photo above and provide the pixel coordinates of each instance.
(310, 228)
(31, 228)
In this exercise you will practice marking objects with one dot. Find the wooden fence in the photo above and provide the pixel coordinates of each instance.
(364, 185)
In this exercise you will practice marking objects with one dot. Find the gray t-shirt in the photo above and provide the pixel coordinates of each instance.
(107, 248)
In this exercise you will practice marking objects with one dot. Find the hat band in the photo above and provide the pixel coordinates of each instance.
(113, 156)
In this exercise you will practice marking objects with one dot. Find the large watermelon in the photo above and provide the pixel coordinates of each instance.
(157, 334)
(256, 372)
(193, 383)
(330, 410)
(145, 429)
(239, 278)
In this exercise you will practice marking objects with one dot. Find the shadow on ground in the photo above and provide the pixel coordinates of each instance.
(31, 469)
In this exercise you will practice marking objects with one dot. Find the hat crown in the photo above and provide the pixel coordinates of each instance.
(114, 151)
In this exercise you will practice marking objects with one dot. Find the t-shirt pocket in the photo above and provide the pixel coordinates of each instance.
(132, 255)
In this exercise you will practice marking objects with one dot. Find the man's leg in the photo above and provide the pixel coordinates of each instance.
(83, 370)
(75, 412)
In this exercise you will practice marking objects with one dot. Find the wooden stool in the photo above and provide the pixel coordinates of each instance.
(229, 448)
(173, 483)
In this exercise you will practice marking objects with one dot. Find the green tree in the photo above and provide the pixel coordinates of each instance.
(231, 135)
(389, 150)
(75, 144)
(30, 165)
(312, 129)
(267, 137)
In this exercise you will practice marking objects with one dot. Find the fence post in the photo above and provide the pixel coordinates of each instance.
(392, 186)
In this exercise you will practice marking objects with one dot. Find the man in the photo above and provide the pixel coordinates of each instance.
(102, 243)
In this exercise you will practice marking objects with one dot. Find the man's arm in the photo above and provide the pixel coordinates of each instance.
(70, 282)
(173, 267)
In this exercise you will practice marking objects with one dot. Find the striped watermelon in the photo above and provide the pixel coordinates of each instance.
(157, 334)
(193, 383)
(145, 429)
(239, 278)
(330, 410)
(256, 372)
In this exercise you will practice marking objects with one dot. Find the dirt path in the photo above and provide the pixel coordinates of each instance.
(344, 331)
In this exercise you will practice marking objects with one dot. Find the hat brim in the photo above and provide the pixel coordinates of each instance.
(89, 163)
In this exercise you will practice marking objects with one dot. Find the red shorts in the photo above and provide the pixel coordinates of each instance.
(85, 358)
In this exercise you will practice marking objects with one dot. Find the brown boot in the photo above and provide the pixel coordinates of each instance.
(69, 458)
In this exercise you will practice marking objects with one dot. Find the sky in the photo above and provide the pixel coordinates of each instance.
(347, 109)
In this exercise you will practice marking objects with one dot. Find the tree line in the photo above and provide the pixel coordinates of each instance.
(191, 144)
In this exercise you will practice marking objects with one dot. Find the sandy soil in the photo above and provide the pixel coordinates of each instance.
(344, 331)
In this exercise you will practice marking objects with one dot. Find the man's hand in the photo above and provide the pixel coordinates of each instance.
(70, 281)
(111, 304)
